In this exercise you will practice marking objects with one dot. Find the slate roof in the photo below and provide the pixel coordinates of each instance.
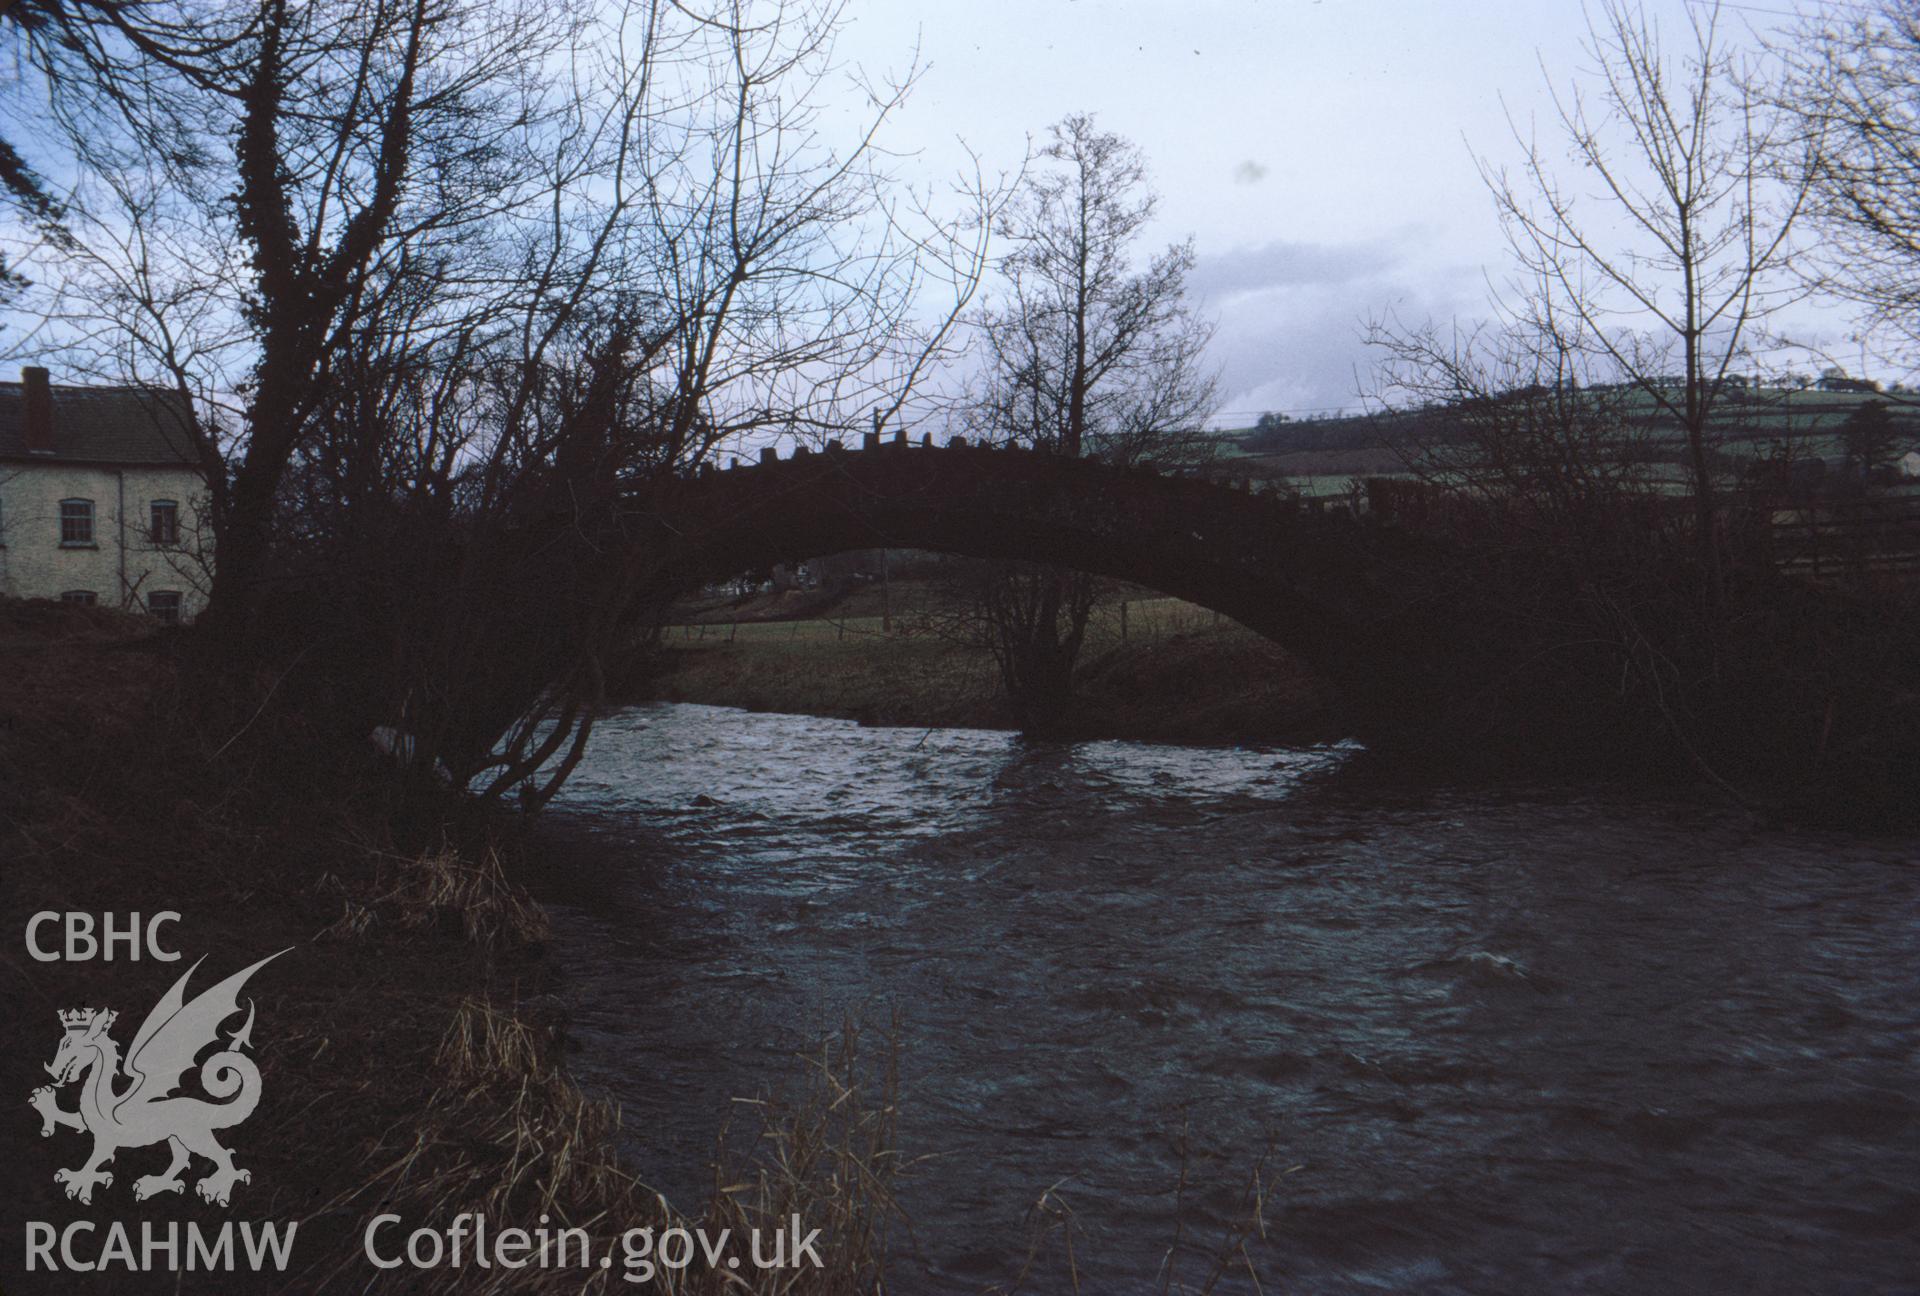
(101, 425)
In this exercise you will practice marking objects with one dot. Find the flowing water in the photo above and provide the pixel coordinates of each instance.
(1538, 1041)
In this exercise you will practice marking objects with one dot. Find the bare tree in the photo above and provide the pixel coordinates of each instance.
(1652, 237)
(270, 186)
(432, 270)
(1853, 80)
(1513, 420)
(252, 174)
(773, 283)
(1088, 352)
(23, 191)
(1661, 248)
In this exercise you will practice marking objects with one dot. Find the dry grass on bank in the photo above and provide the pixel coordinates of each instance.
(506, 1135)
(409, 1042)
(443, 885)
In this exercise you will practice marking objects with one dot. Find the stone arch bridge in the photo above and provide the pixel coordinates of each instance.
(1361, 601)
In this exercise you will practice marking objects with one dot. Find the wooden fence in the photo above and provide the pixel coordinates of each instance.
(1871, 541)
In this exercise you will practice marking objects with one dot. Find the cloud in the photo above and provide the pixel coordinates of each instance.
(1249, 172)
(1282, 264)
(1289, 335)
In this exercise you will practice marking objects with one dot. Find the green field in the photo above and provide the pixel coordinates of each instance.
(1322, 457)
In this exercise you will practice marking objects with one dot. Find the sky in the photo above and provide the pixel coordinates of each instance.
(1320, 153)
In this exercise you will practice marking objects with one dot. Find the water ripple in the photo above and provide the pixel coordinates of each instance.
(1549, 1040)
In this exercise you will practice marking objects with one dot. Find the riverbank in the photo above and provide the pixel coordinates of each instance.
(409, 1039)
(1169, 672)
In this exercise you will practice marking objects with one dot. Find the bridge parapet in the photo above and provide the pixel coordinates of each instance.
(876, 444)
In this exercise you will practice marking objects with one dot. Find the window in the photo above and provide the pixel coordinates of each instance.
(164, 522)
(86, 598)
(165, 606)
(76, 522)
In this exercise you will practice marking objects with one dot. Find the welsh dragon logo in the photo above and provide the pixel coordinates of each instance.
(147, 1111)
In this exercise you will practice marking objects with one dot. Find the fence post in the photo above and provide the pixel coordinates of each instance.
(886, 594)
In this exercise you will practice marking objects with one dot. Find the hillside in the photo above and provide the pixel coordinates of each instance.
(1321, 455)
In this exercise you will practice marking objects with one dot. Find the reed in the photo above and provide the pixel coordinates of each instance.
(510, 1137)
(441, 887)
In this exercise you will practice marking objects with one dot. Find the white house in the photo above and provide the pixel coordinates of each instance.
(1909, 464)
(102, 499)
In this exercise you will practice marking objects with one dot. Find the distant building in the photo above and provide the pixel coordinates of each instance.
(1836, 380)
(102, 499)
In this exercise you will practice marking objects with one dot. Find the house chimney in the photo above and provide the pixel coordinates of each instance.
(38, 396)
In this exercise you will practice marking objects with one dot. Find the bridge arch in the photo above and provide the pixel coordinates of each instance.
(1324, 585)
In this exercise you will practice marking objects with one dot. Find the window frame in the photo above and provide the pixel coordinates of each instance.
(174, 613)
(169, 537)
(81, 597)
(91, 541)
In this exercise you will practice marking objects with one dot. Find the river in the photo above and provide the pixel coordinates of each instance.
(1538, 1040)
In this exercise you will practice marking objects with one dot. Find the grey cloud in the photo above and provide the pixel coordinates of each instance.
(1249, 172)
(1283, 264)
(1298, 347)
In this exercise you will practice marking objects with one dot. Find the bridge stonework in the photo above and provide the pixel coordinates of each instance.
(1360, 602)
